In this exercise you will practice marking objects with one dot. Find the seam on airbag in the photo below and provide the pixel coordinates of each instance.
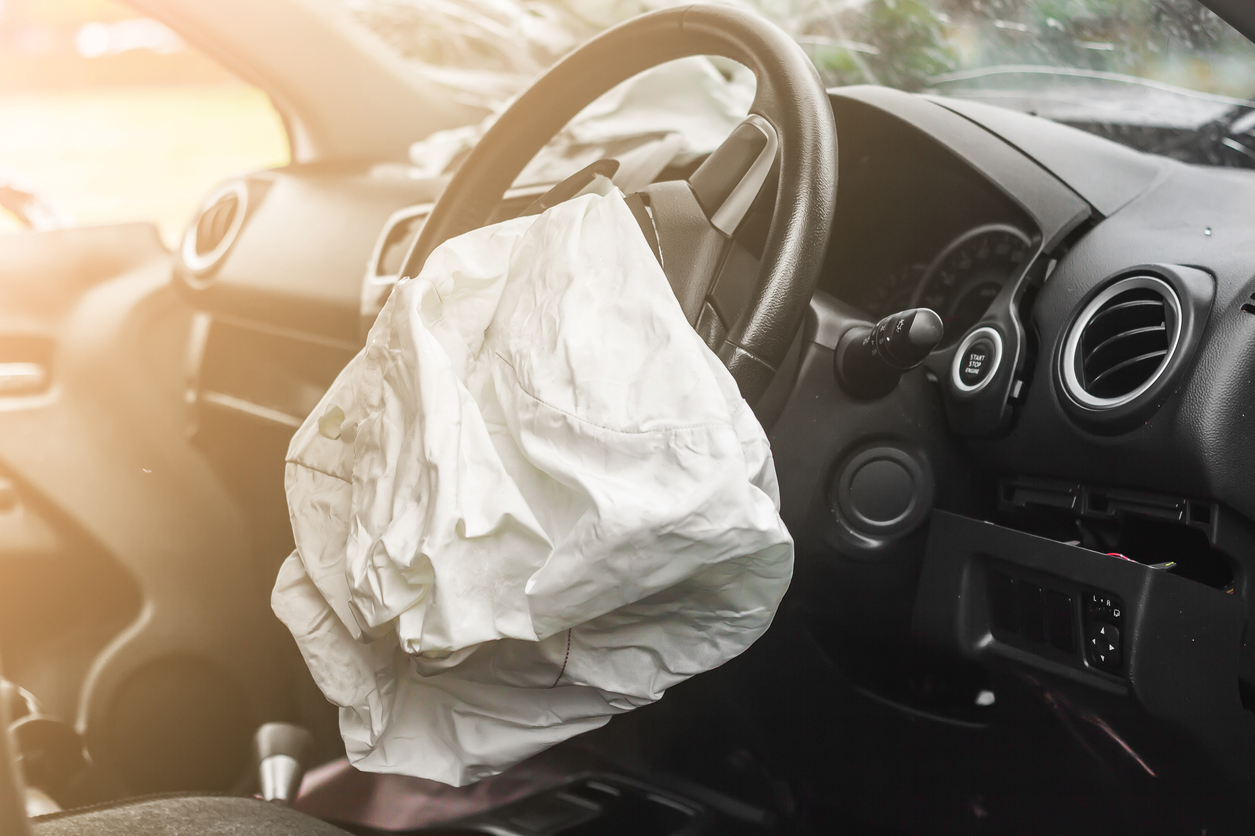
(319, 470)
(565, 658)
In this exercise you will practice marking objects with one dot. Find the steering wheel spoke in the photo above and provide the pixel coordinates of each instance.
(729, 180)
(691, 246)
(694, 220)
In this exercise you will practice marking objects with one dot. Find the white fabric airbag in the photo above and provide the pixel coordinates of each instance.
(545, 504)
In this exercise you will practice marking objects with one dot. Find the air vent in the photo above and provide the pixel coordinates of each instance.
(214, 228)
(397, 244)
(1121, 342)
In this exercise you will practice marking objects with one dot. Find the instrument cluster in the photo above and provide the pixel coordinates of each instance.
(960, 281)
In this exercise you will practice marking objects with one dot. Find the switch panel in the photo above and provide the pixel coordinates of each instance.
(1060, 620)
(1032, 610)
(1022, 612)
(1103, 647)
(1104, 620)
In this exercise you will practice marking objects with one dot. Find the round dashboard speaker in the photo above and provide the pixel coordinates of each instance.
(180, 724)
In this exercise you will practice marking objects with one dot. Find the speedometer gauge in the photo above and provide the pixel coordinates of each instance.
(893, 292)
(966, 276)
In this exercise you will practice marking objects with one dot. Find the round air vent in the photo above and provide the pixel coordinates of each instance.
(214, 227)
(1121, 342)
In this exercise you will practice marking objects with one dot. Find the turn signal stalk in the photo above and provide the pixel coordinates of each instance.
(869, 361)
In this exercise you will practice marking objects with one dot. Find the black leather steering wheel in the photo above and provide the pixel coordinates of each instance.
(752, 321)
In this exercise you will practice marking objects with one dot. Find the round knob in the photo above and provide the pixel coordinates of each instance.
(883, 491)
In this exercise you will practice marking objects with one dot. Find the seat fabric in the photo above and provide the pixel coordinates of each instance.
(184, 816)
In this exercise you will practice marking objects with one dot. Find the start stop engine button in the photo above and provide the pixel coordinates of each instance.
(976, 361)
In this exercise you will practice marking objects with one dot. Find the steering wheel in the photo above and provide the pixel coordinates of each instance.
(751, 320)
(747, 311)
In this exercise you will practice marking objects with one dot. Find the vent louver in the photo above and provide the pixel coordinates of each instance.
(1121, 342)
(214, 228)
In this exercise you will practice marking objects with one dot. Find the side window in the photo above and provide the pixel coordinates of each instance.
(107, 116)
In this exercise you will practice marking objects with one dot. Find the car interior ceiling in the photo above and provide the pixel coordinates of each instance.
(1024, 569)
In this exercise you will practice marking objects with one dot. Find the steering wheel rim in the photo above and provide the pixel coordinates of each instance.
(790, 97)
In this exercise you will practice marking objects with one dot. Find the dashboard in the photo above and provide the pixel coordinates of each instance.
(1113, 291)
(915, 229)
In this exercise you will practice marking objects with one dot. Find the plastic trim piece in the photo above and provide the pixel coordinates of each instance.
(199, 264)
(846, 495)
(1067, 361)
(729, 215)
(240, 406)
(956, 380)
(23, 378)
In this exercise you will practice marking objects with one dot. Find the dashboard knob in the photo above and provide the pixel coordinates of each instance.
(869, 361)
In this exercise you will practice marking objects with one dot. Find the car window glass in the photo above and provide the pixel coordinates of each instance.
(1163, 63)
(111, 117)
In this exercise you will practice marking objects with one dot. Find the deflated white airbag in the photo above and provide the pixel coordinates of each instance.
(534, 500)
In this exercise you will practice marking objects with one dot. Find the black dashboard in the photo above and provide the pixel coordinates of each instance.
(1095, 464)
(915, 228)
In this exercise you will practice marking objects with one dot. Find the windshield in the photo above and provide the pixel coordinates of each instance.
(1131, 69)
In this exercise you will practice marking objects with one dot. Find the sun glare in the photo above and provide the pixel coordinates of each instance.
(112, 118)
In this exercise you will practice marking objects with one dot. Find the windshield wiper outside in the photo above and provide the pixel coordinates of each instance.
(1209, 142)
(1222, 132)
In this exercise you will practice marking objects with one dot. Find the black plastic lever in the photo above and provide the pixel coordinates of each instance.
(869, 361)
